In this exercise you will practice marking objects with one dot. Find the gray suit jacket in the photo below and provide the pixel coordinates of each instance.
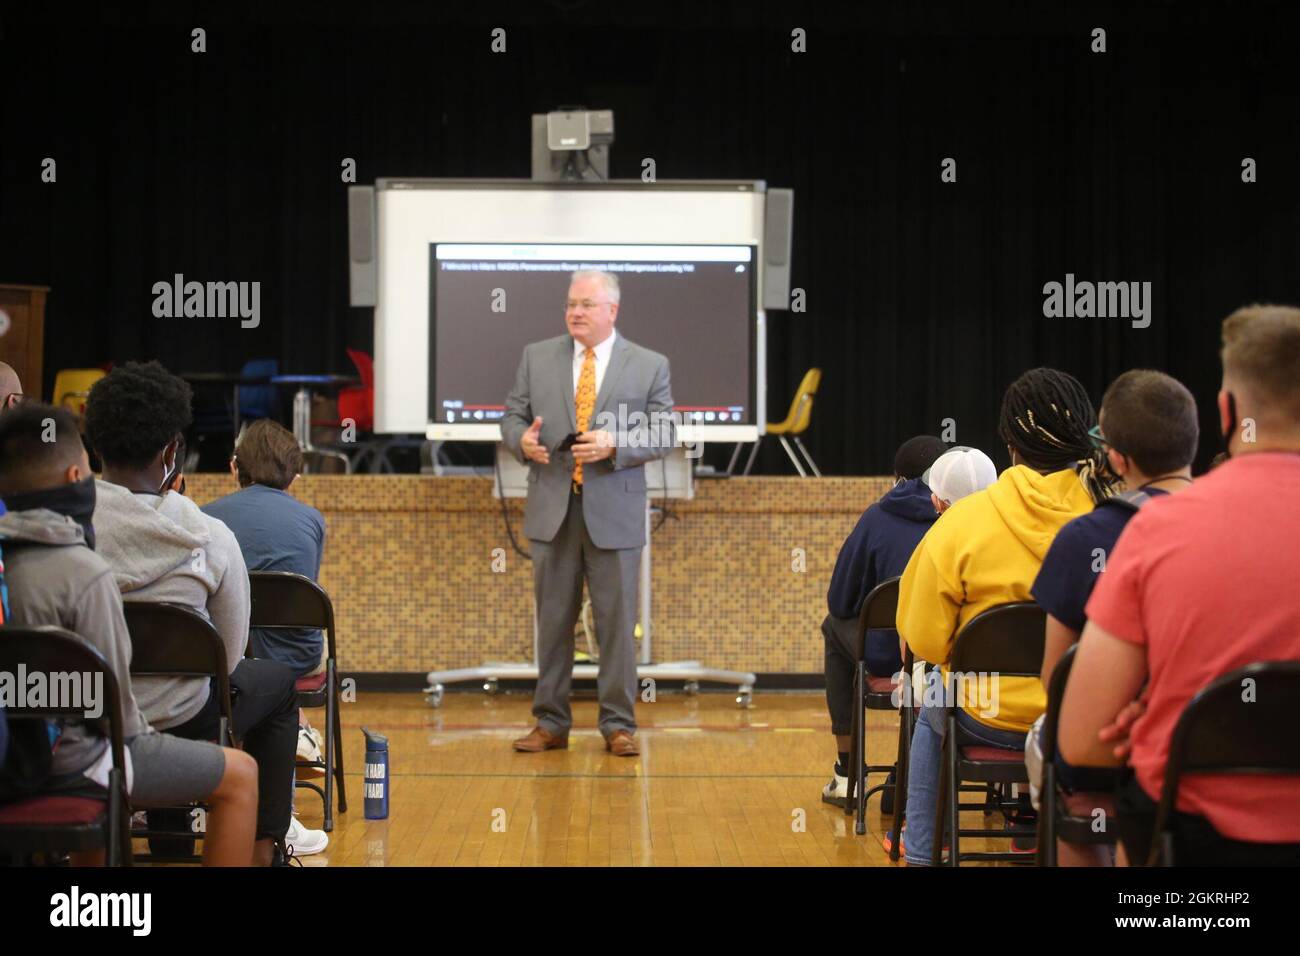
(634, 404)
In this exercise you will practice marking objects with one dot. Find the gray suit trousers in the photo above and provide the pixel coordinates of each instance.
(612, 575)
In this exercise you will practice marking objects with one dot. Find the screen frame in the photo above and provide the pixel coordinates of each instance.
(753, 236)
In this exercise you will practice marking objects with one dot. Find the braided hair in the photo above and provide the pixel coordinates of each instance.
(1045, 416)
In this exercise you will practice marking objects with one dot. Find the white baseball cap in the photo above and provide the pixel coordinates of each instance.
(959, 472)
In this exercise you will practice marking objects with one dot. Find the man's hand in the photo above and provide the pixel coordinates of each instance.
(531, 446)
(1117, 731)
(593, 446)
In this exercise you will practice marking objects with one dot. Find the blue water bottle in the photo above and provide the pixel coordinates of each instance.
(376, 776)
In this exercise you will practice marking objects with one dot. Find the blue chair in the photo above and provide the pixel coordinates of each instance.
(259, 401)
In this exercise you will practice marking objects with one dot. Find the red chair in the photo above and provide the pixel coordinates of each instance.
(357, 402)
(356, 408)
(49, 823)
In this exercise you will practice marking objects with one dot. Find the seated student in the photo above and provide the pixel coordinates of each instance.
(11, 394)
(302, 840)
(11, 387)
(162, 548)
(986, 551)
(875, 551)
(1201, 583)
(1149, 431)
(276, 532)
(959, 472)
(54, 577)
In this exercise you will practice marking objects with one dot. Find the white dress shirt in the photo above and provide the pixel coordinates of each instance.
(603, 352)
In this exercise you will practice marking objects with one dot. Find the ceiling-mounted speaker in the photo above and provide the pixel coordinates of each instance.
(363, 278)
(778, 233)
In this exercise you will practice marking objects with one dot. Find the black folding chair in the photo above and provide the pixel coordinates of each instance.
(879, 610)
(1221, 732)
(282, 599)
(52, 823)
(169, 641)
(906, 724)
(1006, 640)
(1067, 816)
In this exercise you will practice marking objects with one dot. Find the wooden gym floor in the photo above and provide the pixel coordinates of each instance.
(715, 785)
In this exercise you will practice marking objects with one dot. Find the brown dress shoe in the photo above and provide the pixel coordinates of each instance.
(622, 744)
(539, 739)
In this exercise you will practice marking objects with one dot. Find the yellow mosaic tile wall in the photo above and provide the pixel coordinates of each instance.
(409, 565)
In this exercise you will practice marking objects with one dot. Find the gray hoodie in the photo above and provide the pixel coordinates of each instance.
(54, 579)
(162, 548)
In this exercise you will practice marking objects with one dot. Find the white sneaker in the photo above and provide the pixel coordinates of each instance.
(309, 744)
(304, 841)
(837, 790)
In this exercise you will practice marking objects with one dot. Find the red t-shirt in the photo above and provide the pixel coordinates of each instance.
(1208, 580)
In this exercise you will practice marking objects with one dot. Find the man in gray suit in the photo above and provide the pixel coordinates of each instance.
(586, 506)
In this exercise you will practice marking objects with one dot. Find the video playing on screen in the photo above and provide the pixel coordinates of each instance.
(693, 303)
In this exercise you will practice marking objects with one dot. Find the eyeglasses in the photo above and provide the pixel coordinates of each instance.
(587, 305)
(12, 399)
(1101, 441)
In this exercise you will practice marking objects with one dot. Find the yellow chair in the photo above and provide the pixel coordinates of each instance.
(795, 424)
(72, 387)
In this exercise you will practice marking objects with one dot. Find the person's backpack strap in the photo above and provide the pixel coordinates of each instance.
(1129, 500)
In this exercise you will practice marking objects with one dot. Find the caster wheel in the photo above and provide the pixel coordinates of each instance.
(692, 687)
(490, 687)
(745, 698)
(435, 696)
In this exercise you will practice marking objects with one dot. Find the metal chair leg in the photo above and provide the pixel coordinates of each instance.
(359, 458)
(940, 810)
(859, 756)
(117, 846)
(954, 799)
(735, 457)
(798, 466)
(1047, 818)
(900, 776)
(753, 453)
(329, 754)
(854, 770)
(328, 453)
(338, 741)
(812, 464)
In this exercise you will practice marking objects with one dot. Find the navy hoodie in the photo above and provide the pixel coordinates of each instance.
(880, 546)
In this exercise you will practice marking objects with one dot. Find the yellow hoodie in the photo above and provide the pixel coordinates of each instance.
(986, 550)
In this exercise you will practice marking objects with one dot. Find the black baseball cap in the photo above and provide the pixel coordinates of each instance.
(916, 455)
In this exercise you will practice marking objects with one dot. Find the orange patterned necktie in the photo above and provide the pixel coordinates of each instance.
(585, 400)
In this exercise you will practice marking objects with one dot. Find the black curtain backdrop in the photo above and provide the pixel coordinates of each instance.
(924, 298)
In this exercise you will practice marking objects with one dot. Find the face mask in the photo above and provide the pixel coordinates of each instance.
(1232, 425)
(169, 475)
(75, 500)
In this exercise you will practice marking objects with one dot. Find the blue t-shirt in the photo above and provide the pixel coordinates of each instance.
(1075, 559)
(277, 532)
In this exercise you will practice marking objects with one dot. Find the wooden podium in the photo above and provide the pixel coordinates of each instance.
(22, 333)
